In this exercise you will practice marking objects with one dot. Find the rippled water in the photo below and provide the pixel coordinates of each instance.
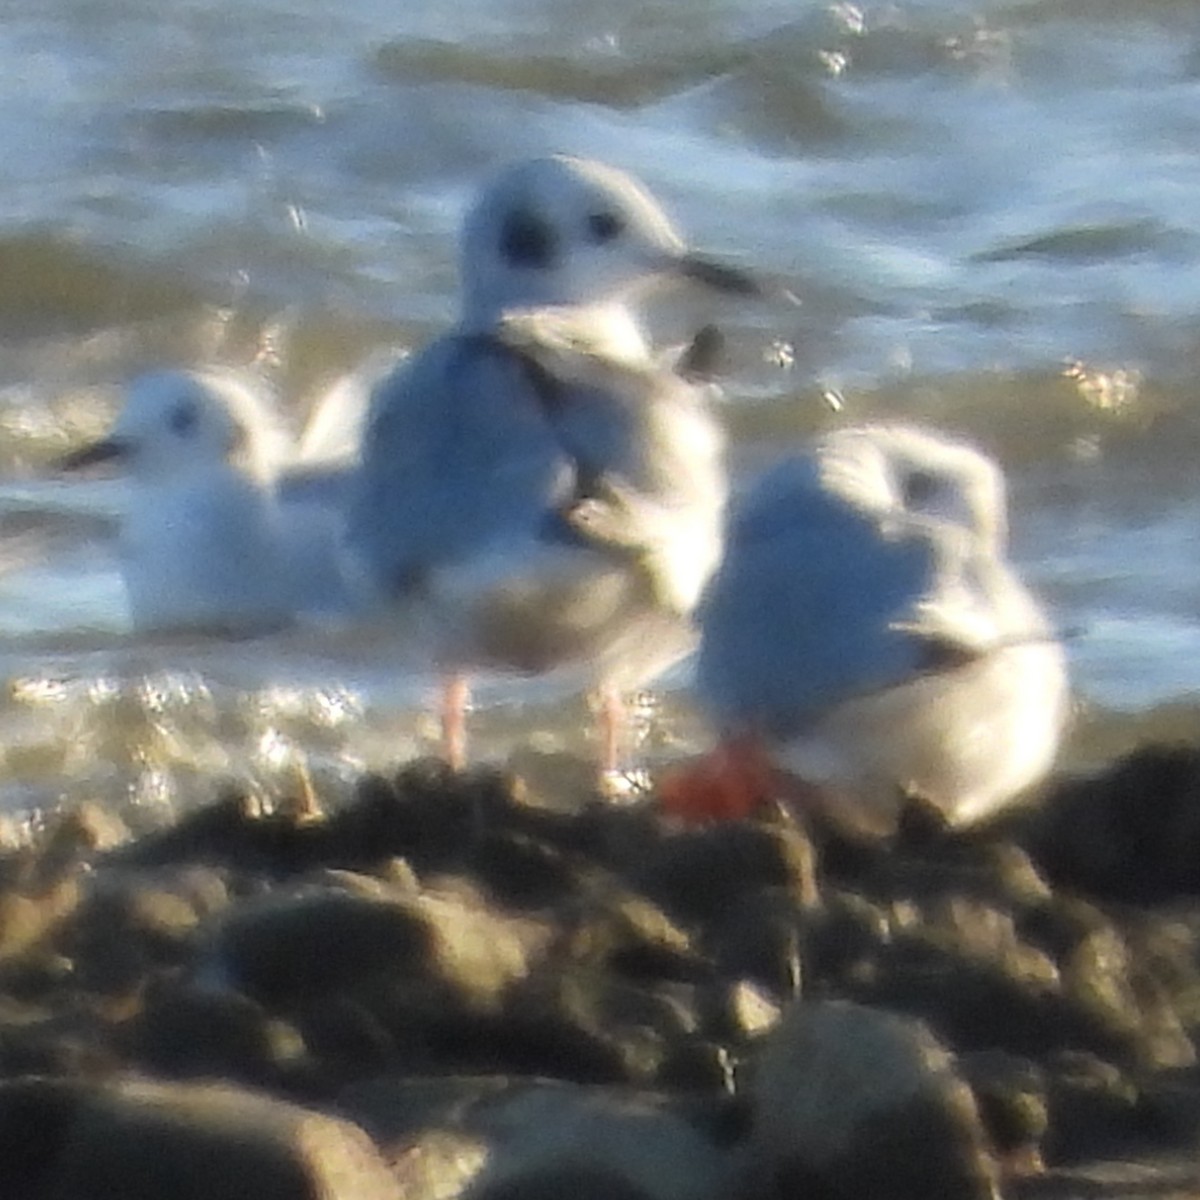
(988, 211)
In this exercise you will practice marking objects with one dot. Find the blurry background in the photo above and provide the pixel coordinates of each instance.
(987, 209)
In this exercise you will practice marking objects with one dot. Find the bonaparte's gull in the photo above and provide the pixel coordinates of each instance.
(534, 481)
(208, 541)
(866, 636)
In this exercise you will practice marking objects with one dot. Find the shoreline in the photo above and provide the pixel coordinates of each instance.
(463, 992)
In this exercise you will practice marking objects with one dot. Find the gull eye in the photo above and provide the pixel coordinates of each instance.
(604, 226)
(182, 419)
(919, 487)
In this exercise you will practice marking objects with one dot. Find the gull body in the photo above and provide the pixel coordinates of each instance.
(867, 632)
(208, 542)
(534, 481)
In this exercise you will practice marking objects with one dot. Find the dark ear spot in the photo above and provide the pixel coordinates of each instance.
(604, 226)
(239, 439)
(526, 240)
(183, 419)
(919, 487)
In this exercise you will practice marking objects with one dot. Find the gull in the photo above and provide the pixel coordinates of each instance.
(536, 483)
(866, 641)
(214, 538)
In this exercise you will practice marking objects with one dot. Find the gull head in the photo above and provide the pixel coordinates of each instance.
(572, 231)
(177, 424)
(894, 468)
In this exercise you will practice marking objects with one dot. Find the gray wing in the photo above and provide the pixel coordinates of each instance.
(325, 486)
(458, 459)
(817, 602)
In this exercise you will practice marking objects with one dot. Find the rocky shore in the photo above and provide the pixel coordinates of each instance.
(445, 988)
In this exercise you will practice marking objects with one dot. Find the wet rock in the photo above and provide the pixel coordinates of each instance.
(537, 1136)
(854, 1101)
(700, 874)
(581, 1181)
(36, 1120)
(291, 947)
(379, 977)
(437, 1164)
(630, 934)
(287, 947)
(1114, 1180)
(739, 1011)
(37, 1041)
(587, 1025)
(845, 940)
(521, 871)
(982, 866)
(452, 923)
(696, 1064)
(1100, 979)
(1096, 1109)
(1011, 1093)
(76, 835)
(345, 1040)
(224, 832)
(132, 922)
(760, 938)
(1130, 832)
(183, 1031)
(445, 813)
(968, 974)
(29, 917)
(145, 1141)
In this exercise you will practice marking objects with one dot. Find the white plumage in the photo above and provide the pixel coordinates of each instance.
(867, 632)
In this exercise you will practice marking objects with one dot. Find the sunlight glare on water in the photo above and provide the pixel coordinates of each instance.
(985, 210)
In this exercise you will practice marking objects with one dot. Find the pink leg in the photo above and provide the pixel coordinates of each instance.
(456, 692)
(611, 722)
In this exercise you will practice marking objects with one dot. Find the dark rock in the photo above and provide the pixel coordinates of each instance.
(494, 1137)
(188, 1032)
(37, 1117)
(145, 1141)
(1114, 1180)
(1131, 832)
(131, 922)
(580, 1181)
(288, 948)
(699, 875)
(442, 922)
(1011, 1093)
(67, 1045)
(348, 1041)
(29, 919)
(597, 1027)
(854, 1101)
(1096, 1109)
(521, 871)
(73, 836)
(844, 941)
(759, 938)
(695, 1064)
(629, 934)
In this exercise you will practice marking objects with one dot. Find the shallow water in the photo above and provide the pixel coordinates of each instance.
(987, 211)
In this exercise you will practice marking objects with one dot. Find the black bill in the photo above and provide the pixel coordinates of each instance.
(108, 450)
(718, 276)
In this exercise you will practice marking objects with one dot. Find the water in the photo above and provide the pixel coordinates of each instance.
(987, 210)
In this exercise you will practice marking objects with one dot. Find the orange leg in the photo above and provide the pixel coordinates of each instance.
(727, 783)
